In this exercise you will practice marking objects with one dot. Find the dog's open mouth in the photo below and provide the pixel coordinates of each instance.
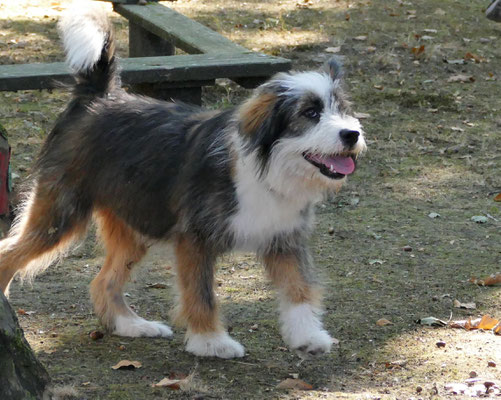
(334, 166)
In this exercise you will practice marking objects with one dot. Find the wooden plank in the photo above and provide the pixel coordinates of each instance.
(195, 67)
(143, 43)
(125, 1)
(178, 29)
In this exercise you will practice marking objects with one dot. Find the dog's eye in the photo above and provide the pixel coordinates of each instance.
(312, 113)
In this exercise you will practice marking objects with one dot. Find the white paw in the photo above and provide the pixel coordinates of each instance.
(134, 326)
(214, 344)
(314, 344)
(302, 330)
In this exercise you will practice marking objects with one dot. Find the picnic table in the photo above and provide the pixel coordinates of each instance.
(153, 68)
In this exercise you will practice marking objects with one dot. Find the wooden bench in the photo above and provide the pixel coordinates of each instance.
(155, 31)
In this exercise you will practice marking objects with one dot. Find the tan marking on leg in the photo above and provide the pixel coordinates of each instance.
(284, 272)
(37, 243)
(198, 313)
(123, 251)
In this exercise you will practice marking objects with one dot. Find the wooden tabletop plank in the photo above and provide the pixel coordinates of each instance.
(178, 29)
(195, 67)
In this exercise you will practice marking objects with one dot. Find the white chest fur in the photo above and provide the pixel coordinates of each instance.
(263, 213)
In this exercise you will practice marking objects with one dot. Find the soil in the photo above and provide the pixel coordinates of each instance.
(433, 147)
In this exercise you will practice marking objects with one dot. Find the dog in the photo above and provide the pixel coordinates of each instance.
(148, 171)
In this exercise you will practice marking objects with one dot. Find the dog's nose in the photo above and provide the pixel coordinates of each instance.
(349, 137)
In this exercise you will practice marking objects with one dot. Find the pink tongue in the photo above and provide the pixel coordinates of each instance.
(343, 165)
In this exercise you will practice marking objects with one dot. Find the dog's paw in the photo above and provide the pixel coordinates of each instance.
(302, 330)
(313, 345)
(139, 327)
(215, 344)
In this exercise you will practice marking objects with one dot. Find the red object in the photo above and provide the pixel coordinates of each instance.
(4, 176)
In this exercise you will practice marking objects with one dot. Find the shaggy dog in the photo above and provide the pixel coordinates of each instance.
(245, 178)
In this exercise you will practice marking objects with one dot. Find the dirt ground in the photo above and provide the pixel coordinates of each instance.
(433, 148)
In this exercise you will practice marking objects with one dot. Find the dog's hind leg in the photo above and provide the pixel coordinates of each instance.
(44, 229)
(205, 335)
(123, 251)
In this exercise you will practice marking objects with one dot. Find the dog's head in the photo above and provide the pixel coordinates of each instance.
(300, 130)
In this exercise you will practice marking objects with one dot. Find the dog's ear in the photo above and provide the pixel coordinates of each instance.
(256, 112)
(334, 68)
(263, 118)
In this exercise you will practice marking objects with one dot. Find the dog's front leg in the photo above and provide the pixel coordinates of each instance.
(205, 335)
(300, 302)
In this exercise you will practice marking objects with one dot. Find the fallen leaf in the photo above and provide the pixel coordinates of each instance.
(461, 78)
(23, 312)
(396, 364)
(376, 261)
(466, 306)
(383, 322)
(487, 323)
(360, 38)
(156, 286)
(126, 364)
(489, 281)
(474, 57)
(365, 116)
(174, 384)
(498, 197)
(333, 49)
(96, 335)
(458, 324)
(456, 129)
(459, 61)
(431, 321)
(479, 219)
(491, 364)
(298, 384)
(417, 51)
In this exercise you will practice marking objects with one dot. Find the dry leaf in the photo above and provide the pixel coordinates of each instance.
(126, 364)
(466, 306)
(487, 323)
(431, 321)
(294, 384)
(395, 364)
(498, 197)
(96, 335)
(461, 78)
(383, 322)
(176, 381)
(360, 115)
(174, 384)
(474, 57)
(156, 286)
(360, 38)
(333, 49)
(417, 51)
(489, 281)
(471, 324)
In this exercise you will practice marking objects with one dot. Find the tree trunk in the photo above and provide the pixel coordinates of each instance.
(22, 376)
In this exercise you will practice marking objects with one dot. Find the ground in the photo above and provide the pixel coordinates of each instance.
(433, 147)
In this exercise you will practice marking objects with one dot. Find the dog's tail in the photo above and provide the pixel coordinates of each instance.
(88, 41)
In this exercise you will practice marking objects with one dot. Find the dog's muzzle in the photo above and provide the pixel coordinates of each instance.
(333, 166)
